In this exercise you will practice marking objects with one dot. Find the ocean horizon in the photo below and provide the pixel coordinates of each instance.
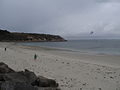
(98, 46)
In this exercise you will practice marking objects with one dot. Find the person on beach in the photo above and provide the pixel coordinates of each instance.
(35, 57)
(5, 49)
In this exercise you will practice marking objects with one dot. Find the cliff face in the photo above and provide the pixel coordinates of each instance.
(33, 37)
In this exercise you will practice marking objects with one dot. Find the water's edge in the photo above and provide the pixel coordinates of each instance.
(111, 47)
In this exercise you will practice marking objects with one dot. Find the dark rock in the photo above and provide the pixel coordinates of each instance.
(22, 86)
(24, 80)
(15, 77)
(48, 88)
(44, 82)
(5, 69)
(30, 76)
(8, 85)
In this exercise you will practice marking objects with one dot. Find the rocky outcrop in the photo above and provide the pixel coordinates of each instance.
(24, 80)
(10, 36)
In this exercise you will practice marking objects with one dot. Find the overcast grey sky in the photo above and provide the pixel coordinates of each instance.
(64, 17)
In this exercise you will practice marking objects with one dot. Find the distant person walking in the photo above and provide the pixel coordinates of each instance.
(5, 49)
(35, 57)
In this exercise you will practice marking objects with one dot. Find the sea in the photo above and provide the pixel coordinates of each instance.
(97, 46)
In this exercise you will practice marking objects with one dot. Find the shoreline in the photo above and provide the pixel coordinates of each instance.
(71, 70)
(80, 55)
(83, 51)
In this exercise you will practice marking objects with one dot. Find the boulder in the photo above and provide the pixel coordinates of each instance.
(24, 80)
(5, 69)
(44, 82)
(8, 85)
(30, 76)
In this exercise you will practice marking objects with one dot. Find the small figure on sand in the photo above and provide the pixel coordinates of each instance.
(91, 32)
(35, 57)
(5, 49)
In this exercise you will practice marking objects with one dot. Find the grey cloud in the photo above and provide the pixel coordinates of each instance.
(102, 1)
(64, 17)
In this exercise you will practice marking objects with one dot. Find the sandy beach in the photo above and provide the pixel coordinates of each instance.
(72, 70)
